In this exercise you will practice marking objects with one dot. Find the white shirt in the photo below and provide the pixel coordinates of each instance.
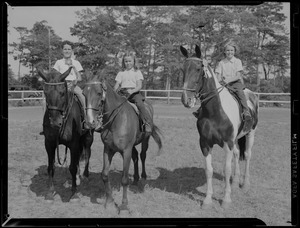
(129, 78)
(228, 68)
(61, 66)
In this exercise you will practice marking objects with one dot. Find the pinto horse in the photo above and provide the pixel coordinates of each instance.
(121, 133)
(62, 125)
(219, 122)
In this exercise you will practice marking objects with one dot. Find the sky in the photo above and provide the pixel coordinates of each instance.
(60, 18)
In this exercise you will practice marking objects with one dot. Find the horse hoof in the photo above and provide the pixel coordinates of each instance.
(206, 206)
(50, 197)
(124, 213)
(226, 205)
(245, 188)
(74, 198)
(111, 208)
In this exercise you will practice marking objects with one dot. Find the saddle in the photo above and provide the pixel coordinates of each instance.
(234, 95)
(125, 94)
(82, 114)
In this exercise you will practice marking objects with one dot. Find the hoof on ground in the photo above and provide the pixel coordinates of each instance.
(111, 208)
(206, 206)
(124, 213)
(50, 197)
(245, 188)
(225, 205)
(74, 198)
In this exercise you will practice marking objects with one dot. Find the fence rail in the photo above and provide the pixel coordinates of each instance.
(39, 95)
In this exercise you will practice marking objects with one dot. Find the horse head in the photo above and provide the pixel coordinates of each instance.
(193, 75)
(56, 94)
(95, 94)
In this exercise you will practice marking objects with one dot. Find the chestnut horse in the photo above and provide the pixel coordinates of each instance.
(121, 132)
(62, 125)
(219, 121)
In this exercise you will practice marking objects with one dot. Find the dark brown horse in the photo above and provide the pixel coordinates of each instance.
(62, 125)
(219, 122)
(121, 132)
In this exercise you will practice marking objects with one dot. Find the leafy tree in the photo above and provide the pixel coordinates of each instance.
(39, 46)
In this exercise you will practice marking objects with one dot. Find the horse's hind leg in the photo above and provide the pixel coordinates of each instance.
(135, 159)
(236, 177)
(145, 145)
(249, 144)
(51, 159)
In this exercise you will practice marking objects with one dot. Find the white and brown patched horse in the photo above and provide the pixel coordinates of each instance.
(219, 122)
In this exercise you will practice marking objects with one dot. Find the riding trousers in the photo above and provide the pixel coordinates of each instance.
(138, 99)
(237, 87)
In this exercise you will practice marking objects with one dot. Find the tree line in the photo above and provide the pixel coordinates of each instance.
(155, 33)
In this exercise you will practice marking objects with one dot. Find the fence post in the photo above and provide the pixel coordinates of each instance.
(168, 97)
(22, 96)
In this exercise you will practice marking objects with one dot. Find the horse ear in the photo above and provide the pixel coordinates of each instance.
(198, 51)
(64, 75)
(41, 74)
(184, 52)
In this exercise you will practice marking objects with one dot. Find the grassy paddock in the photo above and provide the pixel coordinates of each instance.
(175, 187)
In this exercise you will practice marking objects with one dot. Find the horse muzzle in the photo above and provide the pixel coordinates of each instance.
(188, 99)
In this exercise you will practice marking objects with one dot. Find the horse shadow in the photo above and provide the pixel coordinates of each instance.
(92, 188)
(184, 181)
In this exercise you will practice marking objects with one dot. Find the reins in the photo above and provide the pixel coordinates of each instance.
(65, 115)
(112, 114)
(198, 94)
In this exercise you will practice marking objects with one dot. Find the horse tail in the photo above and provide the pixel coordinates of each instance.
(156, 136)
(242, 146)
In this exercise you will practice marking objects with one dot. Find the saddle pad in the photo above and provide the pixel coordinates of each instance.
(134, 107)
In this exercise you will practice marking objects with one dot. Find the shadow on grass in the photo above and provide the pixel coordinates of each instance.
(93, 188)
(179, 181)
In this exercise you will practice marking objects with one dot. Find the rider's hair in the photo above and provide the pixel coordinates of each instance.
(133, 56)
(68, 43)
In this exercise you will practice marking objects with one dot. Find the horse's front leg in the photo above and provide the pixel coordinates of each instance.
(50, 148)
(75, 155)
(227, 198)
(125, 179)
(107, 158)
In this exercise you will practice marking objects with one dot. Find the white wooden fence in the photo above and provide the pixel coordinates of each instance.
(39, 95)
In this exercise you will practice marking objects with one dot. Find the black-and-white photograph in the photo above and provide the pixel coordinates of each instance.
(159, 111)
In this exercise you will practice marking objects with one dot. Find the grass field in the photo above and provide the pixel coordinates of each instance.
(175, 187)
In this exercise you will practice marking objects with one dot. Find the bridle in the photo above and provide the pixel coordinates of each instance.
(55, 108)
(199, 93)
(100, 109)
(64, 112)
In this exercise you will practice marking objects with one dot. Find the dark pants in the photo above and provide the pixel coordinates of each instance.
(138, 99)
(238, 87)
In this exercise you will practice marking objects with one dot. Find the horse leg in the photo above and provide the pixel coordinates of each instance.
(145, 145)
(51, 159)
(74, 151)
(125, 179)
(227, 199)
(236, 178)
(135, 159)
(107, 158)
(248, 152)
(89, 138)
(209, 174)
